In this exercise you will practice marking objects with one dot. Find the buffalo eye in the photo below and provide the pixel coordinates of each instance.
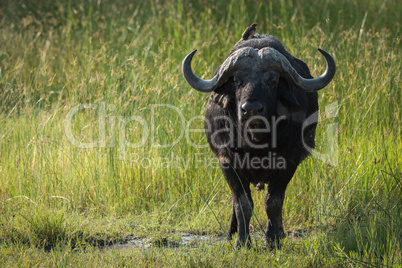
(270, 79)
(237, 81)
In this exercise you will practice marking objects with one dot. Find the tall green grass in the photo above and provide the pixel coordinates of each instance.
(124, 58)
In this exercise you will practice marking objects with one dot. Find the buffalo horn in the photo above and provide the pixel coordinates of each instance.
(267, 58)
(244, 57)
(273, 59)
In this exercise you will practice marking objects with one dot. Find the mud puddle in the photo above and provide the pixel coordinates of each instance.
(180, 240)
(187, 240)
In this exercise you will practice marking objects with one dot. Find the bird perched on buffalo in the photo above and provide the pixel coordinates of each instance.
(249, 32)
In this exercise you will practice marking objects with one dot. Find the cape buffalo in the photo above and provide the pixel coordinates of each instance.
(260, 122)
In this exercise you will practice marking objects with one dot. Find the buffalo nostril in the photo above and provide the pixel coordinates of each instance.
(244, 108)
(252, 108)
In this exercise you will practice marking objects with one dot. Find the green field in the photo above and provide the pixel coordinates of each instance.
(89, 89)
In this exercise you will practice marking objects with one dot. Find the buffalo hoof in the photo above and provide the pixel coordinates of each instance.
(273, 241)
(240, 244)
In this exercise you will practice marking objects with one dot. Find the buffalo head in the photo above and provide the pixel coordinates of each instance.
(256, 76)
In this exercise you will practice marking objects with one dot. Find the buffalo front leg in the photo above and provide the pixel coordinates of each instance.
(244, 210)
(274, 206)
(242, 205)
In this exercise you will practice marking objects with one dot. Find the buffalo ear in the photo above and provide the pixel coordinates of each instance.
(221, 99)
(223, 94)
(288, 105)
(226, 88)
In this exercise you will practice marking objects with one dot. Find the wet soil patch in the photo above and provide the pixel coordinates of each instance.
(181, 240)
(189, 240)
